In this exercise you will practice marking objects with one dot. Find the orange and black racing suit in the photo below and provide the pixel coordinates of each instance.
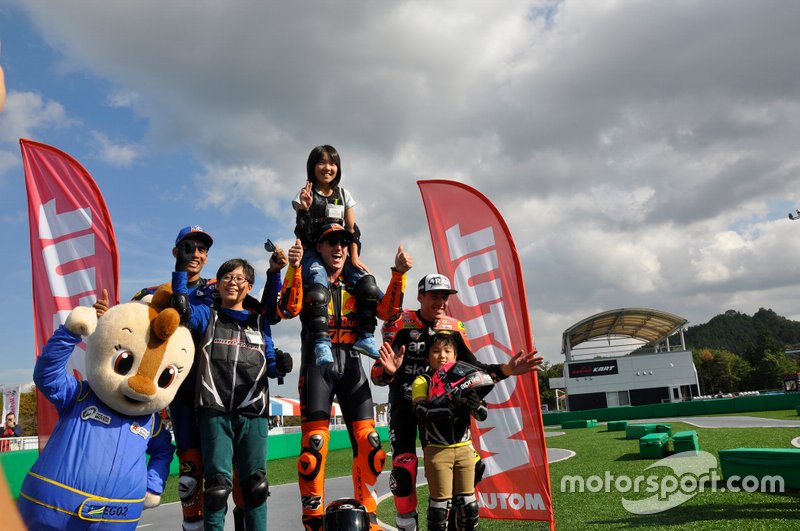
(411, 331)
(344, 378)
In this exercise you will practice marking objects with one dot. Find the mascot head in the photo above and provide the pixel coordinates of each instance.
(137, 354)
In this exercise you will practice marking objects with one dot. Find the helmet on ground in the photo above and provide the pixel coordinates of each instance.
(345, 514)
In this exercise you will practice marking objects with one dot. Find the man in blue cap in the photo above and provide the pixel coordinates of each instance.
(194, 242)
(191, 254)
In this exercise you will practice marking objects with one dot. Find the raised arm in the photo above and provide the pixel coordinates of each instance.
(391, 303)
(290, 302)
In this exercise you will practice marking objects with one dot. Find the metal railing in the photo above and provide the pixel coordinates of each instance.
(13, 444)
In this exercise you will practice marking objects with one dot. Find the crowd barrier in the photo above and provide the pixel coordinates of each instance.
(739, 404)
(17, 464)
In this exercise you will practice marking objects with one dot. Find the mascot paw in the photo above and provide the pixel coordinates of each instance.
(82, 321)
(151, 500)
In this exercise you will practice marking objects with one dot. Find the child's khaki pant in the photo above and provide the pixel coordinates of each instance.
(449, 470)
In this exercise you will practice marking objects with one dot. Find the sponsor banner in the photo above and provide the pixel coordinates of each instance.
(473, 247)
(11, 401)
(73, 250)
(592, 368)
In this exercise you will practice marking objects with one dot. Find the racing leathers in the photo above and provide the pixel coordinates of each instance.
(93, 469)
(414, 333)
(344, 378)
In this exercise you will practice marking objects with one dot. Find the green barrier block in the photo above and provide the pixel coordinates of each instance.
(618, 413)
(750, 403)
(551, 419)
(576, 424)
(664, 428)
(783, 401)
(694, 407)
(761, 462)
(685, 441)
(720, 405)
(641, 412)
(566, 416)
(16, 466)
(653, 445)
(617, 425)
(669, 409)
(637, 431)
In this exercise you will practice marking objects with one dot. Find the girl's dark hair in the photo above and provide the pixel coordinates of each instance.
(444, 338)
(316, 155)
(233, 263)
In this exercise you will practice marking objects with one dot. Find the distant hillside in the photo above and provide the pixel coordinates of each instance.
(732, 330)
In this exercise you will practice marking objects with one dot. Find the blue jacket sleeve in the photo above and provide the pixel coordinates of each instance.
(160, 449)
(269, 299)
(201, 313)
(269, 352)
(50, 373)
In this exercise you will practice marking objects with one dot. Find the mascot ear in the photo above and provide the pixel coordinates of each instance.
(82, 321)
(162, 298)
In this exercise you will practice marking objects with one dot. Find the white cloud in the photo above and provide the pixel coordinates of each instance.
(125, 98)
(26, 112)
(633, 161)
(114, 154)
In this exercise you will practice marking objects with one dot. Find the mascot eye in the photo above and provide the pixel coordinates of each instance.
(123, 362)
(167, 376)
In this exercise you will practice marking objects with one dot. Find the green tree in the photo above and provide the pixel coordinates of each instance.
(720, 371)
(770, 363)
(547, 395)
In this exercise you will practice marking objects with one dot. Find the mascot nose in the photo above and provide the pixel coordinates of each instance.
(142, 385)
(162, 326)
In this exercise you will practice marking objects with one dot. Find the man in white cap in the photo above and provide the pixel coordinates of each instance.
(404, 357)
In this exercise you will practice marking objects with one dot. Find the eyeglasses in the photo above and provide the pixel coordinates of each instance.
(239, 281)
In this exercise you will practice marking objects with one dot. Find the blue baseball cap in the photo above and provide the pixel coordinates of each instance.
(194, 231)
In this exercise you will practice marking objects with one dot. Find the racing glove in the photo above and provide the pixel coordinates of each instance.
(283, 362)
(184, 253)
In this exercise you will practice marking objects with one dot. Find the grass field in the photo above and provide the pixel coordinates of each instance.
(598, 451)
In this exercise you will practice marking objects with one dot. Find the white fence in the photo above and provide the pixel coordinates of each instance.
(12, 444)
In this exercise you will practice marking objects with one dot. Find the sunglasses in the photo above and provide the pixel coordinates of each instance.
(344, 242)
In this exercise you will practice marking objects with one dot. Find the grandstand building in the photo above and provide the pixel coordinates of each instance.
(627, 357)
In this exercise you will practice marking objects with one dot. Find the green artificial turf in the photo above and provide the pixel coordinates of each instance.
(598, 451)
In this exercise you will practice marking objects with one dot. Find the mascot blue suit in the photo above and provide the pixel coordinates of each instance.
(94, 473)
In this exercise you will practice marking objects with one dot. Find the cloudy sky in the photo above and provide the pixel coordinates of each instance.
(643, 153)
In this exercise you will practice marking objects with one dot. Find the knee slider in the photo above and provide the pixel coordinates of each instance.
(403, 482)
(317, 296)
(437, 514)
(256, 489)
(367, 289)
(316, 301)
(367, 294)
(311, 458)
(217, 490)
(466, 511)
(188, 487)
(370, 451)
